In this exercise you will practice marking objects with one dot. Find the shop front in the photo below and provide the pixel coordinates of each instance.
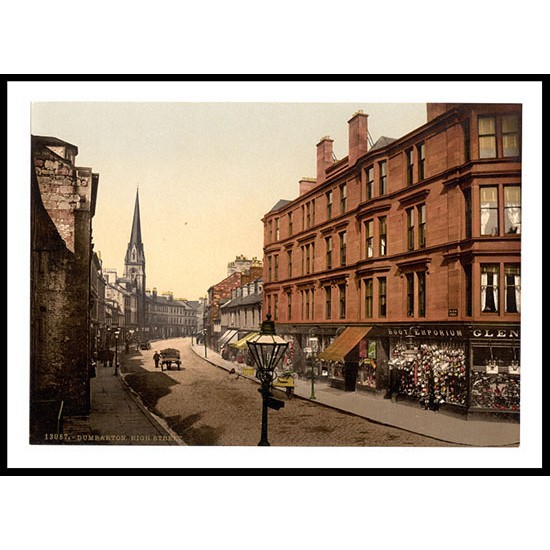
(466, 368)
(345, 359)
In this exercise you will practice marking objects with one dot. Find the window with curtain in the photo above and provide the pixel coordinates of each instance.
(382, 296)
(421, 277)
(512, 209)
(307, 304)
(487, 137)
(382, 177)
(342, 290)
(410, 166)
(276, 267)
(269, 268)
(370, 182)
(410, 229)
(382, 232)
(288, 306)
(510, 136)
(489, 210)
(329, 205)
(368, 298)
(277, 234)
(289, 254)
(343, 198)
(308, 260)
(512, 281)
(421, 225)
(369, 239)
(489, 288)
(308, 215)
(421, 150)
(290, 223)
(343, 251)
(275, 308)
(410, 294)
(328, 302)
(328, 242)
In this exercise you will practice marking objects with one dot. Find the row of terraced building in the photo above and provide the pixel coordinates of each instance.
(398, 267)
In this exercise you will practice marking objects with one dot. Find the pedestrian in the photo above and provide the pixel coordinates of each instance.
(156, 357)
(127, 346)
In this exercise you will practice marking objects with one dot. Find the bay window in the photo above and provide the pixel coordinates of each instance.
(487, 137)
(512, 281)
(369, 238)
(489, 210)
(489, 288)
(510, 136)
(512, 209)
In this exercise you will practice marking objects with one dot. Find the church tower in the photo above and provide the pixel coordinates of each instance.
(134, 265)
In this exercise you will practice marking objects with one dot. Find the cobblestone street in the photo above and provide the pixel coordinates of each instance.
(206, 405)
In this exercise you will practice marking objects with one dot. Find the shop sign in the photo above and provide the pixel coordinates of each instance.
(495, 332)
(448, 332)
(455, 331)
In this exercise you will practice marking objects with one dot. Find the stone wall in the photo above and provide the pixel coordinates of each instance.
(60, 279)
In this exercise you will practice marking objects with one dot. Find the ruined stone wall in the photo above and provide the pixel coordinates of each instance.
(60, 279)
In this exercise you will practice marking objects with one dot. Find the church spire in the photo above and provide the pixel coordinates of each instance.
(135, 238)
(135, 253)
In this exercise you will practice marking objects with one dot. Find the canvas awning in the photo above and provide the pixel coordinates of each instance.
(241, 344)
(227, 336)
(344, 343)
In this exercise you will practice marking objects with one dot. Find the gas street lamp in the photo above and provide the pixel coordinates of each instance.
(267, 350)
(117, 334)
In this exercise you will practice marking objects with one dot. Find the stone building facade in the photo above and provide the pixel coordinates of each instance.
(402, 261)
(63, 198)
(218, 294)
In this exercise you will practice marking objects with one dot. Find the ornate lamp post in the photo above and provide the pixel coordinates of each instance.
(267, 350)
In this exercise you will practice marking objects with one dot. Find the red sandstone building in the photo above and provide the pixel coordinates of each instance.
(399, 265)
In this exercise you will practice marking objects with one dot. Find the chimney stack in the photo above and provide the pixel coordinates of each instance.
(324, 157)
(358, 136)
(306, 184)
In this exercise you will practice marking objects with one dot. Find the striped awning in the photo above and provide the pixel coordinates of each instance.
(241, 344)
(227, 336)
(344, 343)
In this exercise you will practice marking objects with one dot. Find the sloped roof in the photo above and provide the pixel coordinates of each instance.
(280, 204)
(381, 142)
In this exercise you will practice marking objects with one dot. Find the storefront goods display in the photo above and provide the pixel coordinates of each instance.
(367, 373)
(432, 373)
(500, 391)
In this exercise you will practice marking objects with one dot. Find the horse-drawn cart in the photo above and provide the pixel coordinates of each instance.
(169, 356)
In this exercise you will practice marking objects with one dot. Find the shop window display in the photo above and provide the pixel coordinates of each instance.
(434, 374)
(367, 365)
(495, 382)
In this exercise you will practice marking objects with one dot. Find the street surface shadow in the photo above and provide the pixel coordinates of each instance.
(199, 435)
(150, 386)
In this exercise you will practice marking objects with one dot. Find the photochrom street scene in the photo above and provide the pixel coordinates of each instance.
(275, 274)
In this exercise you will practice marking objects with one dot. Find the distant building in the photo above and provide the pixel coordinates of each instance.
(221, 292)
(63, 199)
(169, 318)
(242, 313)
(242, 264)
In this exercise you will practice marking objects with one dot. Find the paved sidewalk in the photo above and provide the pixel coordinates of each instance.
(407, 416)
(117, 416)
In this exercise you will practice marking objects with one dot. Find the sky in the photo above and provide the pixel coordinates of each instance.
(207, 172)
